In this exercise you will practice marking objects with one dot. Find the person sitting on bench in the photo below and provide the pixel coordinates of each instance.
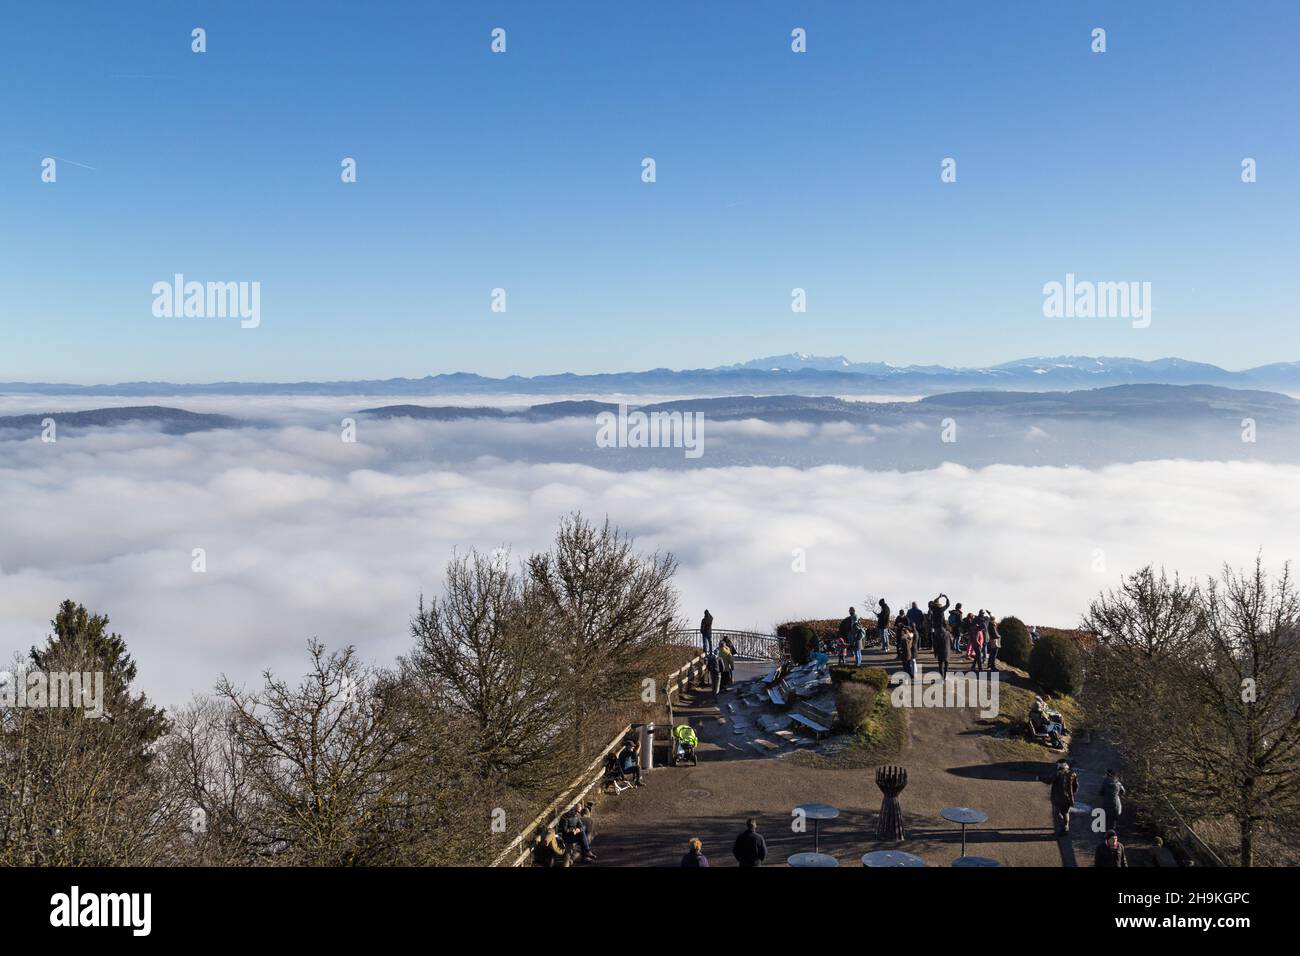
(1048, 723)
(1049, 717)
(629, 760)
(549, 852)
(573, 830)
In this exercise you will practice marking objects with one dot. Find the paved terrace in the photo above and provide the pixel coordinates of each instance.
(744, 772)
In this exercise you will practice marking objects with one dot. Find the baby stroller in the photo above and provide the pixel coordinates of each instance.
(684, 744)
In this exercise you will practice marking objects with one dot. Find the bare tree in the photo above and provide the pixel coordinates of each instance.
(1198, 688)
(481, 651)
(323, 762)
(201, 760)
(1247, 761)
(1147, 635)
(607, 605)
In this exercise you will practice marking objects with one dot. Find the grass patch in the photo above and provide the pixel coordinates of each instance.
(880, 735)
(1006, 731)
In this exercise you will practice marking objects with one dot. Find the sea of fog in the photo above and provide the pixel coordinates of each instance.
(305, 535)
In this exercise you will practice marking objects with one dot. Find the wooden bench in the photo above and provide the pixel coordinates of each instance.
(780, 693)
(812, 718)
(1039, 736)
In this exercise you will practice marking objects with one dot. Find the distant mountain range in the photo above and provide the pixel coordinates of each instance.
(173, 421)
(1085, 427)
(775, 375)
(1128, 403)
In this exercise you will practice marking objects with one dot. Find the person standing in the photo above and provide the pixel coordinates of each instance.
(975, 649)
(695, 855)
(904, 641)
(934, 613)
(954, 625)
(848, 627)
(1065, 784)
(706, 631)
(882, 625)
(750, 848)
(859, 637)
(1110, 852)
(1112, 798)
(941, 649)
(726, 662)
(993, 642)
(916, 618)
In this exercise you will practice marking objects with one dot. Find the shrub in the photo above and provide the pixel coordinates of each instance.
(824, 630)
(873, 677)
(1056, 665)
(1015, 642)
(854, 703)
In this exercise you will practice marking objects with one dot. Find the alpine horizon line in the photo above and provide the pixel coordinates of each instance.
(775, 371)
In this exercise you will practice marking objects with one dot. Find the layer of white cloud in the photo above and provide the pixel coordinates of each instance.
(308, 536)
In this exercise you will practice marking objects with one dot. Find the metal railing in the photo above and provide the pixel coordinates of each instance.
(749, 645)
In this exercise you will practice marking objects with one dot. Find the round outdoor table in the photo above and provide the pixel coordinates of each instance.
(815, 812)
(891, 858)
(812, 859)
(975, 861)
(963, 815)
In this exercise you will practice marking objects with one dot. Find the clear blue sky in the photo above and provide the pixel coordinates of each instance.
(522, 171)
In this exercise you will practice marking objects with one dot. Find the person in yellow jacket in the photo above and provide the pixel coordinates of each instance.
(726, 662)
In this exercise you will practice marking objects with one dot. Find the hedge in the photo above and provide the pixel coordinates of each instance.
(1015, 642)
(1056, 665)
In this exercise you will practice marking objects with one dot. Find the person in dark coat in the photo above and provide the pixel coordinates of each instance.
(750, 848)
(706, 631)
(1110, 852)
(695, 855)
(1065, 784)
(941, 649)
(882, 625)
(915, 617)
(574, 830)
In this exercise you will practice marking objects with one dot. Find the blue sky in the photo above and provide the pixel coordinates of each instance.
(522, 171)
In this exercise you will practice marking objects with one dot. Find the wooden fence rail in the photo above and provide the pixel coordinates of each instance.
(513, 855)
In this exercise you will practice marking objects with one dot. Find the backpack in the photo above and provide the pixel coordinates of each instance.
(846, 628)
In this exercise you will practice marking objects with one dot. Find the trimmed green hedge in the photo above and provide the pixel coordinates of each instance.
(1015, 642)
(854, 705)
(1056, 665)
(825, 631)
(874, 677)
